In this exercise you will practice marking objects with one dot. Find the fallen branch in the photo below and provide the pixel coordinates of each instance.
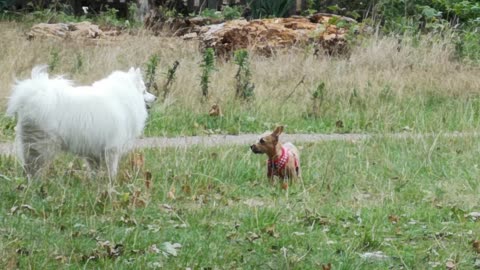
(295, 88)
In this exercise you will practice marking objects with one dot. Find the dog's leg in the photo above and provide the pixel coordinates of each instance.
(93, 166)
(112, 157)
(33, 161)
(37, 149)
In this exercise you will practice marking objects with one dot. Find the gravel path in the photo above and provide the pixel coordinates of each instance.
(247, 139)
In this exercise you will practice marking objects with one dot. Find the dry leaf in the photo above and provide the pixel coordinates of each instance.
(154, 249)
(376, 255)
(393, 219)
(61, 258)
(171, 193)
(187, 189)
(284, 185)
(339, 124)
(183, 225)
(14, 209)
(215, 110)
(169, 249)
(327, 267)
(138, 161)
(167, 207)
(112, 250)
(476, 245)
(148, 179)
(450, 265)
(270, 230)
(252, 236)
(253, 203)
(137, 199)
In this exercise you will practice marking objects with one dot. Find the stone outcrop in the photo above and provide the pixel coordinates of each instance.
(325, 31)
(81, 30)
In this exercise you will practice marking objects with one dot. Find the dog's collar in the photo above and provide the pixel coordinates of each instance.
(279, 163)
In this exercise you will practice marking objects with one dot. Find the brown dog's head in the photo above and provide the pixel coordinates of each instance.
(267, 144)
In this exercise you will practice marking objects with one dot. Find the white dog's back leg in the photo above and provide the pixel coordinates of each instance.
(37, 148)
(93, 166)
(112, 157)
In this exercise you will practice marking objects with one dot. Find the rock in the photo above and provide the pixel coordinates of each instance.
(192, 35)
(268, 35)
(473, 215)
(81, 30)
(263, 36)
(376, 255)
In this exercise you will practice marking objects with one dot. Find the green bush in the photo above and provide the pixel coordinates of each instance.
(270, 8)
(4, 4)
(230, 13)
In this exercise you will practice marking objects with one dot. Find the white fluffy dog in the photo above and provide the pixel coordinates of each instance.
(99, 122)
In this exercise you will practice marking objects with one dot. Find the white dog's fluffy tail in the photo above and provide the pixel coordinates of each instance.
(31, 92)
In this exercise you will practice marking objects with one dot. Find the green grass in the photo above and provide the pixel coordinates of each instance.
(7, 125)
(226, 215)
(379, 88)
(371, 114)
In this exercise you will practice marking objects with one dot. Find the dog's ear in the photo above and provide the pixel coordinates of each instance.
(138, 71)
(131, 70)
(278, 130)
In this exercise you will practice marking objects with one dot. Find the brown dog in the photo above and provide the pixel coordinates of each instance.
(283, 159)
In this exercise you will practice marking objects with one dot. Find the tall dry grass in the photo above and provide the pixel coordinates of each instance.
(425, 65)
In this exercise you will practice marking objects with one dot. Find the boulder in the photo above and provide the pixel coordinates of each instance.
(325, 31)
(81, 30)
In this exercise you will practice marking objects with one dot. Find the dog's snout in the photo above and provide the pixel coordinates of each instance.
(254, 149)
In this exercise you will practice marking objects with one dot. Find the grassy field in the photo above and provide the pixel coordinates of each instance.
(382, 87)
(214, 209)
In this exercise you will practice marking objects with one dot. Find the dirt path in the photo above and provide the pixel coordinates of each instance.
(247, 139)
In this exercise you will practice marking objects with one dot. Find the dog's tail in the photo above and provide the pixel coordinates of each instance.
(31, 92)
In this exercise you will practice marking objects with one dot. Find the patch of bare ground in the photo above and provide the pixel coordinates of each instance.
(247, 139)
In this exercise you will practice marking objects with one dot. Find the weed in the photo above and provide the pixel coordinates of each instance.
(318, 97)
(54, 59)
(207, 66)
(170, 78)
(210, 13)
(132, 15)
(231, 13)
(151, 71)
(244, 86)
(109, 18)
(78, 64)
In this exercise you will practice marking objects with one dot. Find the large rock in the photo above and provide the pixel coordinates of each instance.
(270, 35)
(81, 30)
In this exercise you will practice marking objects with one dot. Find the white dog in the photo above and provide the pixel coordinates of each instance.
(98, 122)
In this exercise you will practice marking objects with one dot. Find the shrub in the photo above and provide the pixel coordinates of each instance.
(244, 86)
(208, 66)
(270, 8)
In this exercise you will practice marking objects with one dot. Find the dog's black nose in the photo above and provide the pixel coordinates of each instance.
(254, 149)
